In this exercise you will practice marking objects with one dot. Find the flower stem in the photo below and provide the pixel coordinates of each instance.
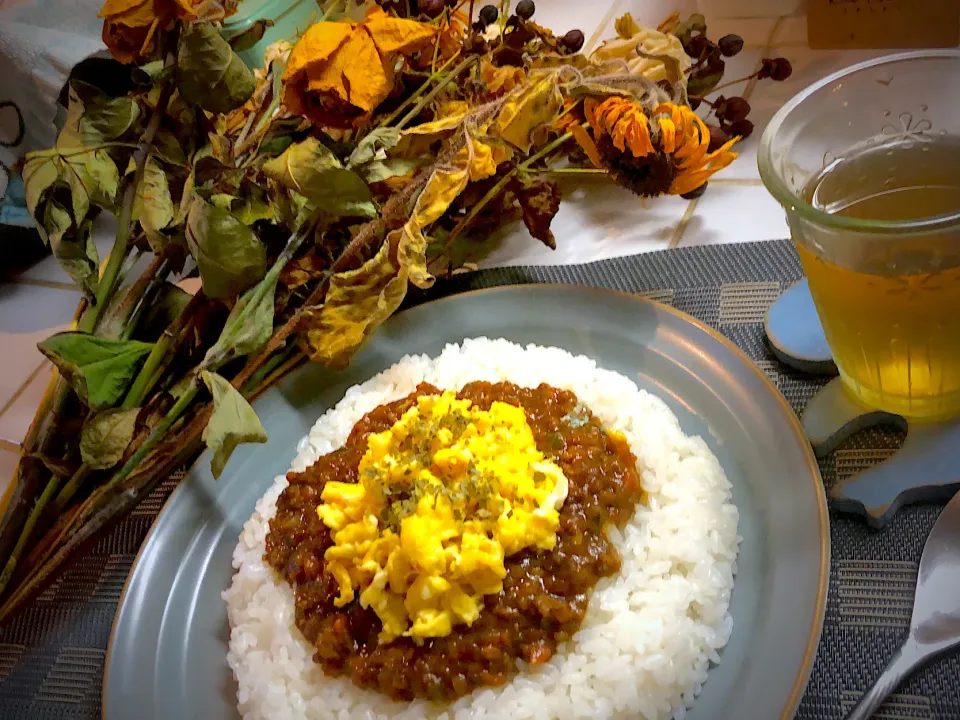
(721, 86)
(572, 171)
(73, 484)
(111, 274)
(431, 96)
(417, 93)
(147, 376)
(11, 565)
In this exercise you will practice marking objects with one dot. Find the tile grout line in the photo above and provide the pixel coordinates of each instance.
(53, 284)
(682, 225)
(595, 36)
(20, 390)
(752, 83)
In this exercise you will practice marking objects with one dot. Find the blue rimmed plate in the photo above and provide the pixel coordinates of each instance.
(167, 655)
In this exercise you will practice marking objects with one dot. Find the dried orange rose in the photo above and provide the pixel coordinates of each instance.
(130, 27)
(341, 71)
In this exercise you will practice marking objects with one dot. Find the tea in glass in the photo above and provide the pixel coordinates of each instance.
(891, 310)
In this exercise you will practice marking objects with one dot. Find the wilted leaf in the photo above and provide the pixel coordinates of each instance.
(527, 108)
(209, 73)
(233, 422)
(106, 435)
(55, 223)
(626, 26)
(76, 251)
(94, 118)
(357, 302)
(374, 146)
(539, 202)
(702, 81)
(249, 325)
(251, 36)
(98, 369)
(221, 148)
(380, 170)
(312, 170)
(153, 206)
(39, 173)
(303, 269)
(229, 256)
(441, 189)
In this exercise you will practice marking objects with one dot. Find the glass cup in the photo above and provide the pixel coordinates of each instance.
(886, 282)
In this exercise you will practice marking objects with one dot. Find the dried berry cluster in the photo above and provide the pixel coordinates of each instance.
(707, 71)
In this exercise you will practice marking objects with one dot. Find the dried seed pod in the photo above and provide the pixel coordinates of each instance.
(743, 128)
(572, 41)
(489, 14)
(730, 45)
(526, 9)
(778, 69)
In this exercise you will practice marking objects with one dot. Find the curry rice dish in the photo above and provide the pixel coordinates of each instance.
(497, 531)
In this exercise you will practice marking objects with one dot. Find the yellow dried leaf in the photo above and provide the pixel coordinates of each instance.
(130, 27)
(437, 126)
(339, 72)
(654, 55)
(442, 188)
(500, 80)
(527, 108)
(357, 302)
(395, 36)
(484, 159)
(626, 26)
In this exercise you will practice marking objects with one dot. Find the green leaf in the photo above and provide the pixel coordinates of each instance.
(311, 169)
(251, 36)
(98, 369)
(374, 146)
(209, 72)
(106, 435)
(153, 206)
(233, 422)
(249, 325)
(381, 170)
(228, 254)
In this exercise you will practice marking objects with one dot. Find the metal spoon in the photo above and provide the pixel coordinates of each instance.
(935, 624)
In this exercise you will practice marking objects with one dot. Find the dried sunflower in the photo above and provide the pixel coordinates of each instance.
(663, 152)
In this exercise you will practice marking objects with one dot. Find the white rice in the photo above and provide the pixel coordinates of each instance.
(650, 633)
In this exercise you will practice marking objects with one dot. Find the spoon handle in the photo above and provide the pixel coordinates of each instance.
(904, 661)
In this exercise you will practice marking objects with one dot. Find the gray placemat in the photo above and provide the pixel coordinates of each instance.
(51, 656)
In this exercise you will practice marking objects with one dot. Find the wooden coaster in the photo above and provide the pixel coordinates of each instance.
(795, 333)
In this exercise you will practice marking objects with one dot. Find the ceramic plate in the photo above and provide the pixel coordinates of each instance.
(167, 656)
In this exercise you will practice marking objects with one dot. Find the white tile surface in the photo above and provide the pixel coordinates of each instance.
(597, 220)
(16, 419)
(732, 214)
(8, 463)
(28, 314)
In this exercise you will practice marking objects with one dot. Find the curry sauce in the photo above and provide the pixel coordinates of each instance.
(545, 593)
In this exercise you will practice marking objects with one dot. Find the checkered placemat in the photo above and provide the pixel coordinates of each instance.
(51, 656)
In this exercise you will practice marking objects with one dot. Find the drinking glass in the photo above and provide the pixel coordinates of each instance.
(887, 290)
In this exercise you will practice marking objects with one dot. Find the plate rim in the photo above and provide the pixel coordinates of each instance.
(823, 515)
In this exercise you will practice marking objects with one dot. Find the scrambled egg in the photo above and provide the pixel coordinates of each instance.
(444, 496)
